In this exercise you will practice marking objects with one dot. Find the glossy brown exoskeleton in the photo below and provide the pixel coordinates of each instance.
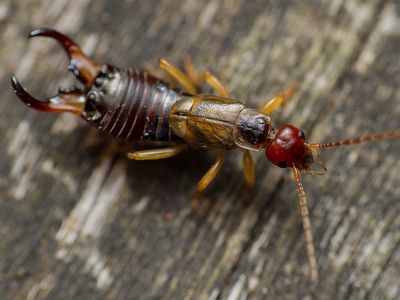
(138, 108)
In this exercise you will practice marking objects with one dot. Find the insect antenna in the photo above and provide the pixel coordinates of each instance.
(312, 260)
(358, 140)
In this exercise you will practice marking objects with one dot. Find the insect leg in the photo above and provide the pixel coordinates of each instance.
(269, 106)
(216, 84)
(153, 154)
(314, 173)
(207, 76)
(248, 170)
(158, 74)
(206, 180)
(178, 75)
(194, 76)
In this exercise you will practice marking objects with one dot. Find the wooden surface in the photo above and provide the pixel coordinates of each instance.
(79, 222)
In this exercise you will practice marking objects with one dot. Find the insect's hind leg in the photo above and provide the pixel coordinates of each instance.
(178, 75)
(154, 154)
(194, 76)
(206, 180)
(270, 105)
(158, 74)
(207, 76)
(192, 81)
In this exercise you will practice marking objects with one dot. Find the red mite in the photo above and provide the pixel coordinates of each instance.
(138, 108)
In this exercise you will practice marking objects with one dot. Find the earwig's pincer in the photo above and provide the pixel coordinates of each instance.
(25, 97)
(71, 100)
(137, 108)
(82, 66)
(66, 101)
(65, 41)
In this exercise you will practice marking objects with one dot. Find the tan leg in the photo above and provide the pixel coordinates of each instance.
(153, 154)
(206, 180)
(158, 74)
(216, 84)
(314, 173)
(178, 75)
(268, 107)
(249, 175)
(320, 162)
(248, 169)
(191, 81)
(196, 78)
(207, 76)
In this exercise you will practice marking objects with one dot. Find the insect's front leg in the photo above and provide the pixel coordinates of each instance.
(249, 172)
(173, 71)
(270, 105)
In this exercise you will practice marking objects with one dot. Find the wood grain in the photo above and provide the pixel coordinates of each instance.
(78, 221)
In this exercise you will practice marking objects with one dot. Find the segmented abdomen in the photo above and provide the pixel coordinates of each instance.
(142, 108)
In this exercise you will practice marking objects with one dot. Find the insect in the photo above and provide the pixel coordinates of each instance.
(138, 108)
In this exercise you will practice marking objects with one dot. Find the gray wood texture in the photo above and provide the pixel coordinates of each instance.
(78, 221)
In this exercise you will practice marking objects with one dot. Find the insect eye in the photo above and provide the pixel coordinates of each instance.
(302, 135)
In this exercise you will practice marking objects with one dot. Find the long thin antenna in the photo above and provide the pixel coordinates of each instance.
(358, 140)
(312, 260)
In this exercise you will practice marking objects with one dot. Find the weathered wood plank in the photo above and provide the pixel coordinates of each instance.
(78, 222)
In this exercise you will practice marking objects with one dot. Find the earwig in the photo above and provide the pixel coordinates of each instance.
(138, 108)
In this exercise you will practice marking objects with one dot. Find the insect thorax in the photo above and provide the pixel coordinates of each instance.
(252, 129)
(211, 122)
